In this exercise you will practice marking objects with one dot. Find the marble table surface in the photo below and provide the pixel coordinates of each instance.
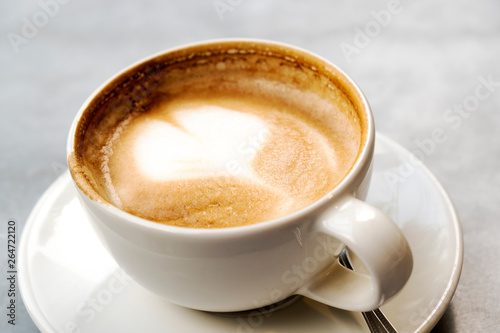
(425, 66)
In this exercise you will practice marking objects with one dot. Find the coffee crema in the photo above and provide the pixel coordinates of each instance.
(225, 137)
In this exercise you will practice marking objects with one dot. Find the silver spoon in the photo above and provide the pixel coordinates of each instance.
(375, 319)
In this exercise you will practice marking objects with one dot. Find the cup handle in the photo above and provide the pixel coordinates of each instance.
(377, 242)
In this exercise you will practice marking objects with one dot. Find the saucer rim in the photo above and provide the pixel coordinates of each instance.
(44, 325)
(29, 300)
(445, 300)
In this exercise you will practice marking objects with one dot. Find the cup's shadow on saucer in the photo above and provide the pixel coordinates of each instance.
(295, 311)
(265, 310)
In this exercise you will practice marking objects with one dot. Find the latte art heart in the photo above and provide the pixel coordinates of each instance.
(195, 145)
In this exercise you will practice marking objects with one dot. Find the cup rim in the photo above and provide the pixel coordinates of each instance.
(363, 159)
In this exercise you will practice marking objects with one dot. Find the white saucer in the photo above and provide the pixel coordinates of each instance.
(70, 284)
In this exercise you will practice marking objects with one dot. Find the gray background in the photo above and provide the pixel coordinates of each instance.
(426, 59)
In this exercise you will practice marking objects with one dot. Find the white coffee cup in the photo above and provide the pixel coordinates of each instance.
(241, 268)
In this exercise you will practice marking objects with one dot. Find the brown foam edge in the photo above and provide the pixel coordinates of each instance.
(125, 82)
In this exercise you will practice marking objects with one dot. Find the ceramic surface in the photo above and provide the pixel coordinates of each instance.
(70, 284)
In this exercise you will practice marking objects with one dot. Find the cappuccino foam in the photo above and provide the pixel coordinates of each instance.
(211, 146)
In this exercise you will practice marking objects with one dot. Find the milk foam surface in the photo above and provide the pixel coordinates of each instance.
(218, 163)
